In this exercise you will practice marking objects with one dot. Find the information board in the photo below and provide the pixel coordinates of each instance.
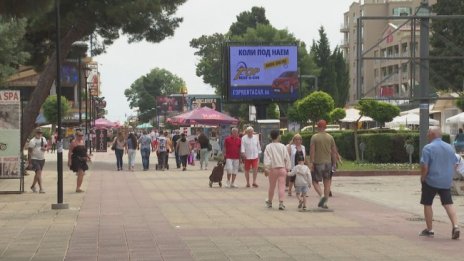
(10, 133)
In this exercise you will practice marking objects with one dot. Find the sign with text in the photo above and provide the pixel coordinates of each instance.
(213, 103)
(10, 133)
(263, 73)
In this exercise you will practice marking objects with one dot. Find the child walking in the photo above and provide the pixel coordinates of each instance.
(302, 181)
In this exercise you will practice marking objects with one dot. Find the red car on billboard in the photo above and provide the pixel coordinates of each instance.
(287, 83)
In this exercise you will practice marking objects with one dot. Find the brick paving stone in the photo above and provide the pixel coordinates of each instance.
(174, 215)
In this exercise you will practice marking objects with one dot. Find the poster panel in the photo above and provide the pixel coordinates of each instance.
(10, 133)
(213, 103)
(171, 104)
(263, 73)
(101, 144)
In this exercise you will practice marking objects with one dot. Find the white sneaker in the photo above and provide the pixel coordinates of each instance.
(233, 185)
(228, 184)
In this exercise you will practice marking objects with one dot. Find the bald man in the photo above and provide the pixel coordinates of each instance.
(438, 163)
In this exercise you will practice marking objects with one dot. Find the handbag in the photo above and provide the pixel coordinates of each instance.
(190, 159)
(113, 146)
(210, 147)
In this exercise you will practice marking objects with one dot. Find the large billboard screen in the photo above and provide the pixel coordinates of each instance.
(263, 73)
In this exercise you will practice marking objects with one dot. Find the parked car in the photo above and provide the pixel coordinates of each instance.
(287, 83)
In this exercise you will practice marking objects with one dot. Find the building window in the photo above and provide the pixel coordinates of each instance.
(404, 48)
(404, 67)
(402, 11)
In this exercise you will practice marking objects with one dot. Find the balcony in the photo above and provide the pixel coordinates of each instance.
(391, 78)
(344, 43)
(344, 28)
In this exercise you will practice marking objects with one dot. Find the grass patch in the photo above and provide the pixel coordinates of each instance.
(364, 166)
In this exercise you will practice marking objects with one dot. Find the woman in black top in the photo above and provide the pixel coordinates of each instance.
(77, 159)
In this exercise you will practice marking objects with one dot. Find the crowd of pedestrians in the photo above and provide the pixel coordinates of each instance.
(286, 166)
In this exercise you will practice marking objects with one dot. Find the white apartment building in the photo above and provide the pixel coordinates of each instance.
(385, 38)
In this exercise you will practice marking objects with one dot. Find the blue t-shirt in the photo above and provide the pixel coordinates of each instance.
(441, 161)
(145, 142)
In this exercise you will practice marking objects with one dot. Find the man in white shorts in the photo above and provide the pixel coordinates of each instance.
(232, 146)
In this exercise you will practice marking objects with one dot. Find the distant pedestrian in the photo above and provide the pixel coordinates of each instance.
(295, 149)
(183, 149)
(276, 166)
(323, 160)
(169, 149)
(302, 176)
(36, 158)
(438, 163)
(54, 137)
(204, 150)
(77, 159)
(131, 148)
(145, 145)
(232, 145)
(250, 149)
(175, 139)
(120, 145)
(162, 150)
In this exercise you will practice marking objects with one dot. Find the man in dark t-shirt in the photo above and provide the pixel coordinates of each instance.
(175, 138)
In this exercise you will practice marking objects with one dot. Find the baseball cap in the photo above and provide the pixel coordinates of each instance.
(322, 124)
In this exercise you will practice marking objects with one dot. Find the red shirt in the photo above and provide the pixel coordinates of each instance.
(232, 145)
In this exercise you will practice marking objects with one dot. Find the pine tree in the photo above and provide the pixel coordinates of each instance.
(447, 40)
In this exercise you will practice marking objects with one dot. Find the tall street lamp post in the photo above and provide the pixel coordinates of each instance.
(79, 49)
(86, 94)
(59, 151)
(184, 92)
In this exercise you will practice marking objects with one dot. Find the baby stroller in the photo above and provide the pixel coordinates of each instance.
(216, 174)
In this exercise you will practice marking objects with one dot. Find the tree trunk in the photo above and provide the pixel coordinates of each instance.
(356, 146)
(45, 82)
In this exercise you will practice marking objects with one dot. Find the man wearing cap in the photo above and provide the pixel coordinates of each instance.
(37, 147)
(323, 160)
(250, 149)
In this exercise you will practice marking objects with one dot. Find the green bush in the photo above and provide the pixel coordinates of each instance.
(345, 144)
(378, 147)
(382, 145)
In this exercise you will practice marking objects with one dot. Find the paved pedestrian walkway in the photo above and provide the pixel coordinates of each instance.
(174, 215)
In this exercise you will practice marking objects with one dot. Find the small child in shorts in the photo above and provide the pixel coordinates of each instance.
(302, 181)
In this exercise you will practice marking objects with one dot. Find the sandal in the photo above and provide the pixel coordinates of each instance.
(255, 185)
(79, 190)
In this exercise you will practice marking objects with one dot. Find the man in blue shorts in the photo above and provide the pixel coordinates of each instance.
(438, 163)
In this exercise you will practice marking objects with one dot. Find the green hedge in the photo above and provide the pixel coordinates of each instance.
(382, 146)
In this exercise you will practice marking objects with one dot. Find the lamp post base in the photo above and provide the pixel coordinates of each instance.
(60, 206)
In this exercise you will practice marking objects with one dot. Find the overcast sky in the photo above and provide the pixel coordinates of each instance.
(123, 63)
